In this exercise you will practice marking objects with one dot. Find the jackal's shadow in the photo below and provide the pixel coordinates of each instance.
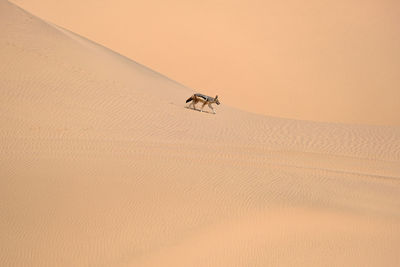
(195, 109)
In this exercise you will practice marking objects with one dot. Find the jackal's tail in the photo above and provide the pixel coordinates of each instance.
(189, 99)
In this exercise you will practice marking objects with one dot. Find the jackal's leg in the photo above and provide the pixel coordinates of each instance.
(203, 106)
(209, 104)
(193, 104)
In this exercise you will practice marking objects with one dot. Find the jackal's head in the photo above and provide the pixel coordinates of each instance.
(216, 100)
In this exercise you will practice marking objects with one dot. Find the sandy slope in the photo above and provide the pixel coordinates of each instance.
(332, 61)
(100, 165)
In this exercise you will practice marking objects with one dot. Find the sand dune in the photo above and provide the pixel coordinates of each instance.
(101, 165)
(335, 61)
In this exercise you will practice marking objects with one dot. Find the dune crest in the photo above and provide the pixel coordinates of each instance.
(101, 165)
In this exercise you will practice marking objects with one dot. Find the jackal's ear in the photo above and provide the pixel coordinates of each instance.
(216, 96)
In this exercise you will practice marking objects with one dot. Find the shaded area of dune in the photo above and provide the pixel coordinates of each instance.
(101, 165)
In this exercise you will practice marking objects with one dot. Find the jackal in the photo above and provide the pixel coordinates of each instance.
(206, 100)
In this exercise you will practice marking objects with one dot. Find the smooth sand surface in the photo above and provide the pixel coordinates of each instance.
(331, 61)
(101, 165)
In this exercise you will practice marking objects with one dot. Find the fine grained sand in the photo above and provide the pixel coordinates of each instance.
(101, 165)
